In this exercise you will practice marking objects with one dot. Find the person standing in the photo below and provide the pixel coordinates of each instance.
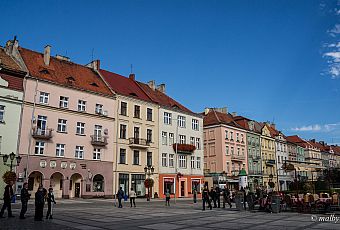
(205, 198)
(39, 204)
(167, 198)
(195, 195)
(226, 196)
(50, 203)
(212, 195)
(120, 195)
(7, 200)
(218, 196)
(25, 196)
(132, 196)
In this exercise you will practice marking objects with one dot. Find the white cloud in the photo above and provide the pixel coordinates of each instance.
(336, 30)
(317, 127)
(335, 55)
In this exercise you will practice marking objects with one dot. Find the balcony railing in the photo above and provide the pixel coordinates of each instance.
(237, 157)
(184, 148)
(139, 142)
(270, 162)
(256, 157)
(98, 140)
(45, 134)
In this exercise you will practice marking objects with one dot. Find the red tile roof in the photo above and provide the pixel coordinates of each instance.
(64, 72)
(214, 117)
(297, 140)
(7, 62)
(15, 81)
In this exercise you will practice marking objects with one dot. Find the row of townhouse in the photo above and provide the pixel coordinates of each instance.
(269, 157)
(86, 131)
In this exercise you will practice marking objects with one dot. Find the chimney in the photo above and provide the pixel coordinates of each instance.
(312, 140)
(47, 55)
(94, 65)
(132, 76)
(206, 111)
(63, 58)
(161, 88)
(273, 125)
(222, 110)
(12, 46)
(234, 114)
(152, 84)
(322, 142)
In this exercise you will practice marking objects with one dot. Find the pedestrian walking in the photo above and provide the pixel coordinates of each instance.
(24, 196)
(226, 196)
(212, 195)
(132, 196)
(218, 196)
(120, 195)
(39, 204)
(8, 194)
(167, 198)
(50, 203)
(206, 198)
(195, 195)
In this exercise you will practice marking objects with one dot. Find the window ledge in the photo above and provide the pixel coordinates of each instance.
(61, 132)
(83, 135)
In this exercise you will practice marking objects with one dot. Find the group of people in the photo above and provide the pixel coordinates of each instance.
(214, 196)
(120, 195)
(41, 196)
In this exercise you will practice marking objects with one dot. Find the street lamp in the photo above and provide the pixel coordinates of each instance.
(149, 170)
(12, 157)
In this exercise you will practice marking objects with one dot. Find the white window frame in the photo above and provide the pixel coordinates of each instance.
(41, 148)
(60, 150)
(195, 124)
(198, 162)
(198, 143)
(164, 160)
(62, 126)
(164, 138)
(79, 152)
(63, 102)
(192, 140)
(2, 113)
(226, 150)
(182, 139)
(171, 139)
(44, 98)
(181, 121)
(99, 109)
(167, 118)
(171, 160)
(182, 161)
(81, 128)
(96, 154)
(81, 105)
(192, 162)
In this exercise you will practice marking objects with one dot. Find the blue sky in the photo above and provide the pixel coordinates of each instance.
(268, 60)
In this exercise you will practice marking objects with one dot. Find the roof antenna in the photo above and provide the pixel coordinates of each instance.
(131, 68)
(92, 54)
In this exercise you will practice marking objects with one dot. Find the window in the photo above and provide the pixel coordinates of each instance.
(198, 143)
(181, 121)
(149, 114)
(231, 136)
(80, 128)
(60, 150)
(99, 109)
(192, 162)
(226, 134)
(164, 160)
(123, 108)
(227, 167)
(238, 151)
(198, 163)
(62, 125)
(149, 158)
(171, 139)
(149, 135)
(136, 132)
(39, 148)
(63, 102)
(237, 137)
(226, 150)
(81, 106)
(43, 99)
(164, 138)
(167, 118)
(2, 113)
(195, 124)
(122, 132)
(232, 150)
(242, 152)
(171, 160)
(182, 161)
(136, 157)
(192, 140)
(137, 111)
(96, 154)
(79, 153)
(242, 141)
(122, 156)
(182, 139)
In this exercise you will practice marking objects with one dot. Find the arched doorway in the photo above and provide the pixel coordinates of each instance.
(76, 185)
(56, 182)
(35, 179)
(98, 183)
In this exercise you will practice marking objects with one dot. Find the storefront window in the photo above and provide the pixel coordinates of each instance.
(168, 185)
(137, 183)
(98, 183)
(195, 185)
(124, 182)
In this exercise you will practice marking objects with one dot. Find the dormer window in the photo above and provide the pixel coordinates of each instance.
(133, 94)
(94, 84)
(70, 80)
(44, 71)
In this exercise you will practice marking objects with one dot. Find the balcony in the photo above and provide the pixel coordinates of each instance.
(256, 157)
(255, 172)
(237, 158)
(139, 143)
(184, 148)
(270, 162)
(98, 140)
(44, 134)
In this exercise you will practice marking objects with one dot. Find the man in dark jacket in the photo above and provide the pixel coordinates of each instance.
(50, 202)
(120, 196)
(39, 204)
(218, 196)
(205, 198)
(212, 194)
(7, 200)
(25, 196)
(226, 196)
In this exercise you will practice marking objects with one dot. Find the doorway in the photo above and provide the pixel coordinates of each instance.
(182, 188)
(77, 190)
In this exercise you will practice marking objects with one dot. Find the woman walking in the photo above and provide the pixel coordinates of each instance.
(50, 203)
(39, 204)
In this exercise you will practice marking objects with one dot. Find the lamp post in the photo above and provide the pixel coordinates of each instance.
(149, 170)
(12, 157)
